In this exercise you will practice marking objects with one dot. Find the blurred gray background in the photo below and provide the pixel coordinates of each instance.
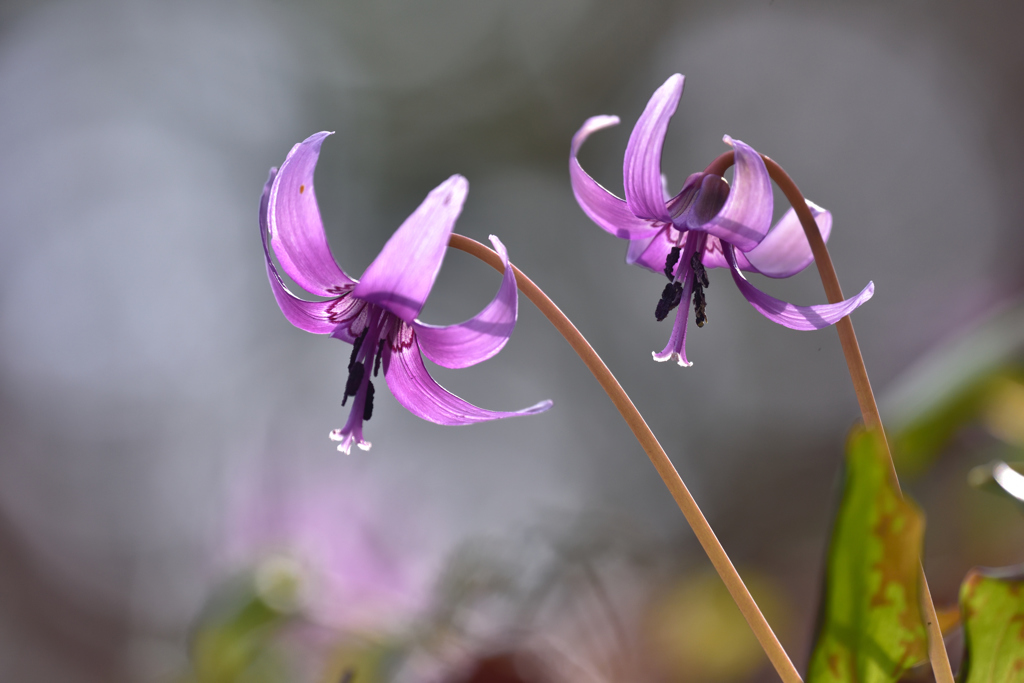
(151, 394)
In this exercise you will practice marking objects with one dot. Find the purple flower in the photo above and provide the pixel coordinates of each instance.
(707, 225)
(377, 314)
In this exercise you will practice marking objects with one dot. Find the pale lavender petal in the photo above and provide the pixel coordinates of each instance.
(652, 252)
(480, 337)
(401, 276)
(296, 231)
(641, 171)
(715, 258)
(795, 317)
(415, 389)
(318, 317)
(786, 251)
(747, 214)
(609, 212)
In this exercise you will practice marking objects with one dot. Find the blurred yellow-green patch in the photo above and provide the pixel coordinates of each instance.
(992, 603)
(995, 399)
(871, 628)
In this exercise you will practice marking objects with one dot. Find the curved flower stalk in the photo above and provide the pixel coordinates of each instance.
(377, 314)
(706, 225)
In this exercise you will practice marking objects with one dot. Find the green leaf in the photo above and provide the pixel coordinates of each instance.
(992, 603)
(871, 629)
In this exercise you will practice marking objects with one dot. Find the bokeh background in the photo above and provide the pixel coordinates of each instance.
(163, 425)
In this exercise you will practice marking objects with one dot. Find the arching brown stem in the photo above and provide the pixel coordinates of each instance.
(716, 553)
(858, 374)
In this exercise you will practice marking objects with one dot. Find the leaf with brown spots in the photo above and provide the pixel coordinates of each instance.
(992, 603)
(871, 629)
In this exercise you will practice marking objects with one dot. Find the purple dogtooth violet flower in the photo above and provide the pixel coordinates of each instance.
(377, 314)
(708, 224)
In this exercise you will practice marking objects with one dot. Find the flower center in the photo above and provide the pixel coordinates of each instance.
(692, 279)
(378, 326)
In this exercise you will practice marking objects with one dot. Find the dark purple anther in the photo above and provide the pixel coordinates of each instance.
(699, 303)
(355, 378)
(380, 352)
(368, 406)
(700, 275)
(671, 261)
(670, 298)
(355, 349)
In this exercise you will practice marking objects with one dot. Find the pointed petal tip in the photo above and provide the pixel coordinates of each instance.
(499, 247)
(590, 126)
(401, 276)
(641, 167)
(454, 190)
(676, 82)
(456, 182)
(539, 407)
(318, 137)
(315, 141)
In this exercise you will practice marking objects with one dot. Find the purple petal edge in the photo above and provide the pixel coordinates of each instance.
(296, 230)
(747, 214)
(480, 337)
(401, 276)
(417, 391)
(606, 210)
(311, 316)
(785, 251)
(641, 171)
(788, 315)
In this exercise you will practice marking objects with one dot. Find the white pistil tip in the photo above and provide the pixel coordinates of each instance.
(335, 435)
(364, 445)
(674, 355)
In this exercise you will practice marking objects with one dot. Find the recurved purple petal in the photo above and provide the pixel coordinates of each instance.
(415, 389)
(609, 212)
(401, 276)
(747, 214)
(788, 315)
(641, 172)
(480, 337)
(296, 231)
(785, 251)
(311, 316)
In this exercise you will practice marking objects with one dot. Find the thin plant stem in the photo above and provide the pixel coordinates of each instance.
(715, 552)
(858, 374)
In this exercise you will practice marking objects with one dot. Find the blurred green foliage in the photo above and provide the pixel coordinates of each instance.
(871, 629)
(233, 641)
(992, 398)
(992, 603)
